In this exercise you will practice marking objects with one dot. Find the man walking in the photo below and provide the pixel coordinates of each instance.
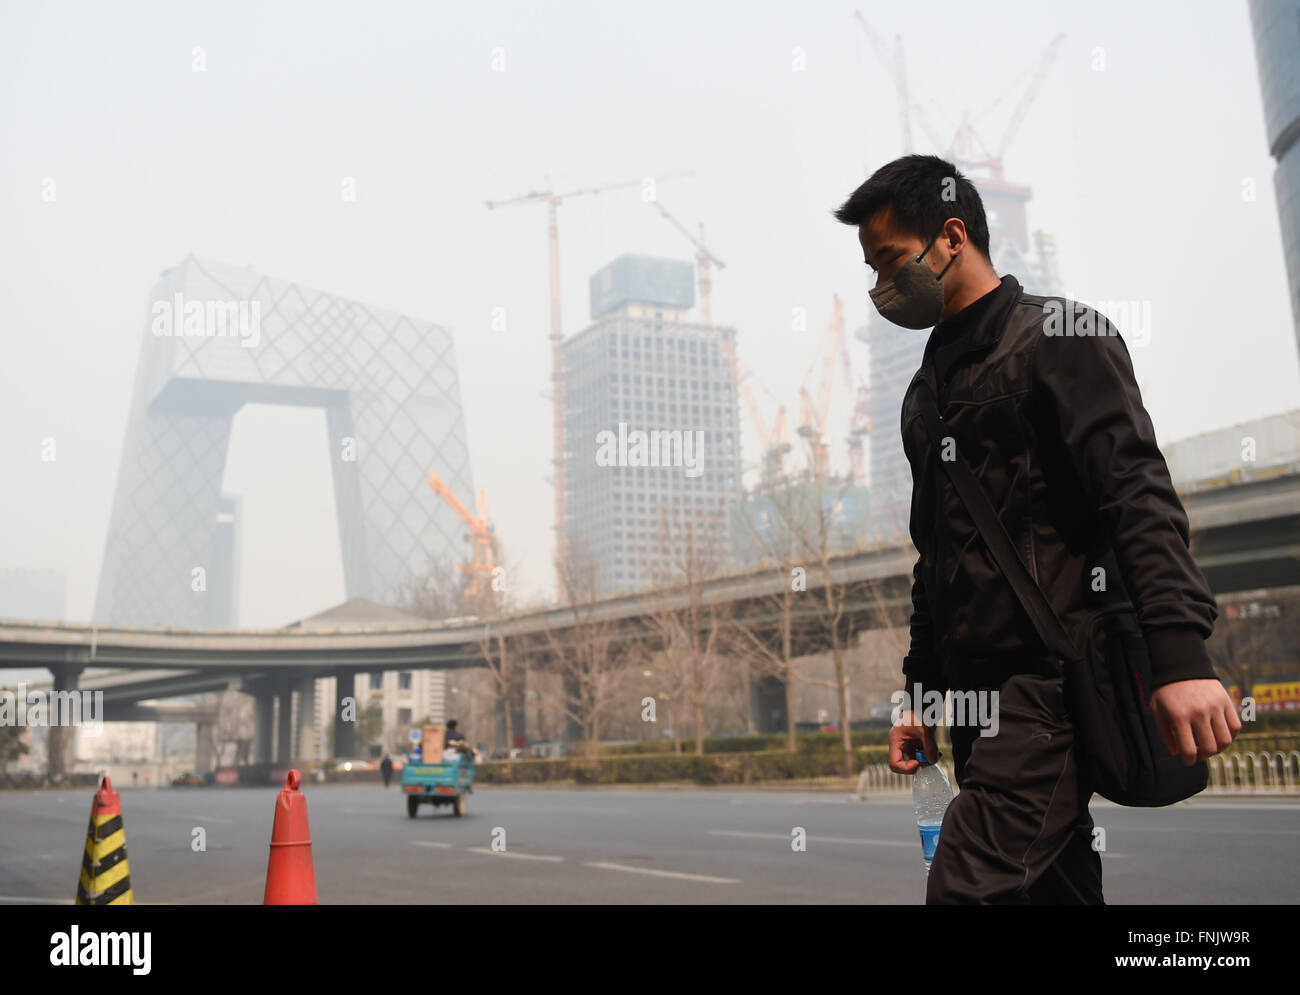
(1038, 396)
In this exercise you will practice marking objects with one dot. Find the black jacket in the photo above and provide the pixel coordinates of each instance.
(1054, 428)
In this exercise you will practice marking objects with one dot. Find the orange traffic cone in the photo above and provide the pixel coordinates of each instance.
(290, 878)
(105, 874)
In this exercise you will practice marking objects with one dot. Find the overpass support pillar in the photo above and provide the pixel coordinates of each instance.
(768, 704)
(58, 736)
(205, 754)
(265, 708)
(306, 741)
(284, 725)
(345, 728)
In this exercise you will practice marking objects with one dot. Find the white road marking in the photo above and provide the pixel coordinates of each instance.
(1192, 829)
(440, 846)
(652, 872)
(28, 900)
(517, 856)
(811, 839)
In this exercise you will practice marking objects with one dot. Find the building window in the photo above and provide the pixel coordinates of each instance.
(376, 681)
(404, 680)
(403, 716)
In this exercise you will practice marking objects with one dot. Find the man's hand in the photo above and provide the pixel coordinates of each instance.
(905, 738)
(1196, 718)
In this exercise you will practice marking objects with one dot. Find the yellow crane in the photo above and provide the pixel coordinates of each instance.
(484, 547)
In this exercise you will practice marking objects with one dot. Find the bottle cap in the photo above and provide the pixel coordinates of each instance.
(920, 756)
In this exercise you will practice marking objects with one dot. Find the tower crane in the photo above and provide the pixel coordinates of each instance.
(484, 547)
(895, 66)
(773, 440)
(812, 416)
(962, 148)
(859, 429)
(553, 201)
(704, 262)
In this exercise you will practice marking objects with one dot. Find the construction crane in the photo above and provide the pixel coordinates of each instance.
(812, 416)
(484, 548)
(963, 142)
(896, 67)
(773, 440)
(859, 429)
(962, 148)
(704, 263)
(553, 201)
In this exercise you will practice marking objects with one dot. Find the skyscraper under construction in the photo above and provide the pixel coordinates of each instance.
(652, 432)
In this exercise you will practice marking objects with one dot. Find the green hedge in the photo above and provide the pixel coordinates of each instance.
(1267, 740)
(730, 768)
(804, 742)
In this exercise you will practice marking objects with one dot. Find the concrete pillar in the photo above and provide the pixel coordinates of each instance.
(345, 731)
(284, 726)
(305, 742)
(768, 703)
(264, 705)
(59, 737)
(205, 755)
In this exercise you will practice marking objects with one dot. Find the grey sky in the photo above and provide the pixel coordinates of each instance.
(1137, 170)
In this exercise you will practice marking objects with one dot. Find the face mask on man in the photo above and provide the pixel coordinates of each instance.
(912, 297)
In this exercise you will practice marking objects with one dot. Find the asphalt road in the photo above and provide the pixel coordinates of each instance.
(613, 846)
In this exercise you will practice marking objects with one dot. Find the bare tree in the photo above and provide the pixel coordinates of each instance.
(1255, 639)
(772, 532)
(234, 727)
(506, 668)
(585, 654)
(819, 540)
(693, 634)
(441, 592)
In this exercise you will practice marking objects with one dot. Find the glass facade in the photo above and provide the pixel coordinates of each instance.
(1276, 25)
(652, 441)
(219, 337)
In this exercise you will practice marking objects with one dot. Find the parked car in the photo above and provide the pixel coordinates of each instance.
(192, 779)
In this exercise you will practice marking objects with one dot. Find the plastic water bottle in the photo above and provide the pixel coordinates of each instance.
(931, 794)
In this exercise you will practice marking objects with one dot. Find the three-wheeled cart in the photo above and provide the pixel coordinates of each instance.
(438, 784)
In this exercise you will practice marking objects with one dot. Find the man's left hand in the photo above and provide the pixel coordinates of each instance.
(1196, 718)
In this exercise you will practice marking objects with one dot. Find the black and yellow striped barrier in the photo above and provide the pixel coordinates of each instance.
(105, 874)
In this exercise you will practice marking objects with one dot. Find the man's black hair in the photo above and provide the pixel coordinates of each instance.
(914, 187)
(451, 723)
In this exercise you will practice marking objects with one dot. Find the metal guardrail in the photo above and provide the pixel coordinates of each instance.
(879, 779)
(1248, 773)
(1252, 773)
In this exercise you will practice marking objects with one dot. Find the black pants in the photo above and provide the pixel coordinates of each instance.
(1019, 831)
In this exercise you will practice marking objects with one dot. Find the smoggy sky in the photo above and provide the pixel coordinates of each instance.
(1144, 134)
